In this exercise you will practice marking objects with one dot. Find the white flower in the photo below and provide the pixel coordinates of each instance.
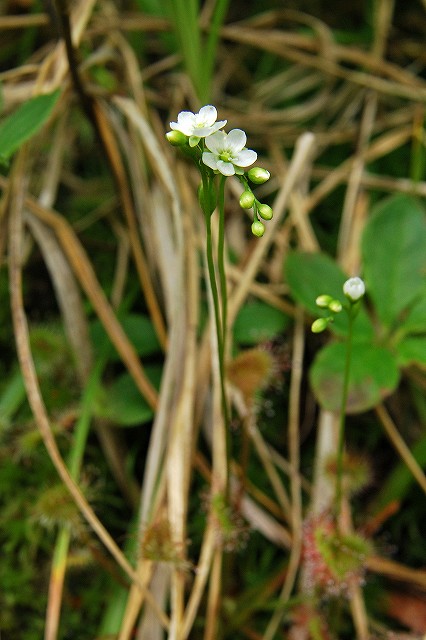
(227, 153)
(354, 289)
(198, 125)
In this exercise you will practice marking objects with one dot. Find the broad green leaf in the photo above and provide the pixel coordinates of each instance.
(122, 402)
(373, 376)
(25, 122)
(138, 328)
(394, 256)
(312, 274)
(257, 322)
(412, 350)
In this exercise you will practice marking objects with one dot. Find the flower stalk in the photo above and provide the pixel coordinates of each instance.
(217, 156)
(354, 290)
(342, 420)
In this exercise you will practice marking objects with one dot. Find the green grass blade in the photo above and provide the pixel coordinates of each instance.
(25, 122)
(219, 14)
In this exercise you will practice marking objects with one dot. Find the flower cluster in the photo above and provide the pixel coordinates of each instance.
(353, 289)
(217, 152)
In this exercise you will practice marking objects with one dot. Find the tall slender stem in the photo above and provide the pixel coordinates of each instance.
(220, 310)
(345, 391)
(221, 260)
(210, 260)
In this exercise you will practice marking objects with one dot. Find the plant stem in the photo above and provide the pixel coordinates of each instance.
(210, 260)
(345, 391)
(220, 311)
(75, 460)
(221, 260)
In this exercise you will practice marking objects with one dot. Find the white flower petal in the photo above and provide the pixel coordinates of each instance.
(245, 158)
(208, 115)
(217, 125)
(354, 288)
(185, 123)
(201, 124)
(226, 168)
(236, 140)
(210, 160)
(216, 142)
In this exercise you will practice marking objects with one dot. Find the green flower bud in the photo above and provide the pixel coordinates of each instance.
(265, 211)
(335, 306)
(258, 175)
(323, 301)
(176, 138)
(258, 228)
(319, 325)
(246, 199)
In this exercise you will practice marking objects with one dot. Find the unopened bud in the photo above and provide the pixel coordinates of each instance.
(354, 289)
(247, 199)
(323, 301)
(257, 228)
(258, 175)
(335, 306)
(176, 138)
(319, 325)
(265, 211)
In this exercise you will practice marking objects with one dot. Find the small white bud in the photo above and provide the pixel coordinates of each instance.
(354, 289)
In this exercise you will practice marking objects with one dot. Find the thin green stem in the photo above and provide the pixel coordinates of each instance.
(221, 260)
(212, 280)
(220, 320)
(345, 391)
(209, 253)
(75, 460)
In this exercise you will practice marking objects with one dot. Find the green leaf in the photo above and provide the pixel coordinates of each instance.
(412, 350)
(373, 376)
(312, 274)
(11, 398)
(415, 320)
(394, 255)
(122, 402)
(138, 328)
(25, 122)
(257, 322)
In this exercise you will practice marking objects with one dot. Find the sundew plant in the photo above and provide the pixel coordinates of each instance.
(212, 320)
(217, 156)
